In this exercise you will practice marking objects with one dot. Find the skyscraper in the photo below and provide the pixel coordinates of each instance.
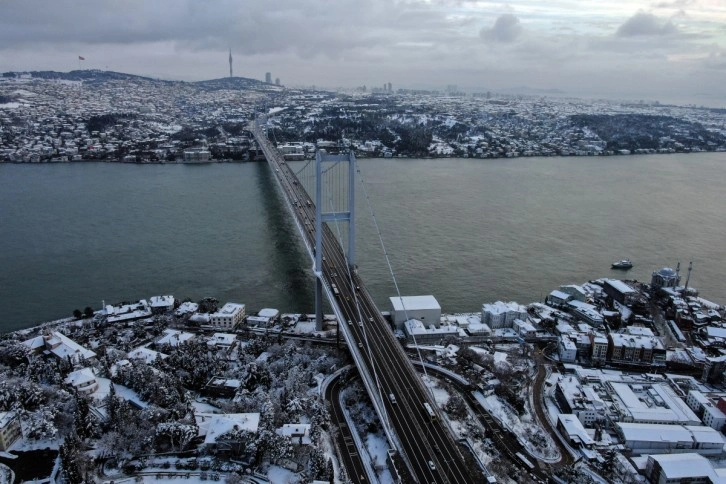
(268, 77)
(230, 62)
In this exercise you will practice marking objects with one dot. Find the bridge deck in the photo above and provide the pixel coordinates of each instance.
(392, 383)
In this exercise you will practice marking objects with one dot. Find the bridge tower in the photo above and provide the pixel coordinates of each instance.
(345, 215)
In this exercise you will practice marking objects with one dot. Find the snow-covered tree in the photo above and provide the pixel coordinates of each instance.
(177, 434)
(39, 424)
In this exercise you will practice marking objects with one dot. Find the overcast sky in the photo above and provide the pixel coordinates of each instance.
(667, 50)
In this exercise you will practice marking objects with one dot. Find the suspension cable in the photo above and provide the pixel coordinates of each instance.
(355, 293)
(390, 266)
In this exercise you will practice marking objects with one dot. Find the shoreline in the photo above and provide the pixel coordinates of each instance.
(639, 152)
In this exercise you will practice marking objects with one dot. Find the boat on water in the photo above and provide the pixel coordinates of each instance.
(622, 264)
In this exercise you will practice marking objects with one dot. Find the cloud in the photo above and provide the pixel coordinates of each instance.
(675, 4)
(506, 29)
(646, 24)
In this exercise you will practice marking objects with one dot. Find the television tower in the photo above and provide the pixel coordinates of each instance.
(230, 62)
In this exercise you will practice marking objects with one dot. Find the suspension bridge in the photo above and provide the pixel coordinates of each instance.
(321, 199)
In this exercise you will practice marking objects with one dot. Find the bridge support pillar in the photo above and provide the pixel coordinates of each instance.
(346, 215)
(318, 304)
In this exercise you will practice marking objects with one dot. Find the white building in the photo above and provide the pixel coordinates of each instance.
(222, 340)
(703, 407)
(83, 381)
(681, 468)
(567, 349)
(228, 317)
(127, 312)
(669, 439)
(297, 433)
(655, 403)
(60, 346)
(160, 304)
(423, 308)
(502, 315)
(174, 337)
(524, 328)
(571, 428)
(419, 333)
(212, 425)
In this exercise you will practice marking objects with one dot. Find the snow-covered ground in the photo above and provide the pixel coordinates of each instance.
(441, 396)
(377, 448)
(537, 442)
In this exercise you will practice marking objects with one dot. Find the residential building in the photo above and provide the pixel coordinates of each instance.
(567, 349)
(10, 430)
(502, 315)
(417, 332)
(161, 304)
(635, 349)
(83, 381)
(228, 317)
(60, 346)
(705, 409)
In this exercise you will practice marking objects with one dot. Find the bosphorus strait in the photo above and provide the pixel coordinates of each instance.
(467, 231)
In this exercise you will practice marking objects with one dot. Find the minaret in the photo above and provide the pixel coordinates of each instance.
(230, 62)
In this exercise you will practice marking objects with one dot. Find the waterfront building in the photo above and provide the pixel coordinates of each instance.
(161, 304)
(665, 277)
(197, 155)
(292, 151)
(426, 309)
(502, 315)
(10, 430)
(620, 291)
(558, 299)
(127, 312)
(574, 291)
(228, 317)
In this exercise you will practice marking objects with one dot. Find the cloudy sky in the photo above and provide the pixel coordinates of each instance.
(667, 50)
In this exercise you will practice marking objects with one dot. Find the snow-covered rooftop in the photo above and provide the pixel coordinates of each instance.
(211, 426)
(415, 303)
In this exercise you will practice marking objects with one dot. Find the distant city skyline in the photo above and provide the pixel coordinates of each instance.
(666, 50)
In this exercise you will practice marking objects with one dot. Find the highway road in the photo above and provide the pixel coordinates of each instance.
(426, 444)
(350, 458)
